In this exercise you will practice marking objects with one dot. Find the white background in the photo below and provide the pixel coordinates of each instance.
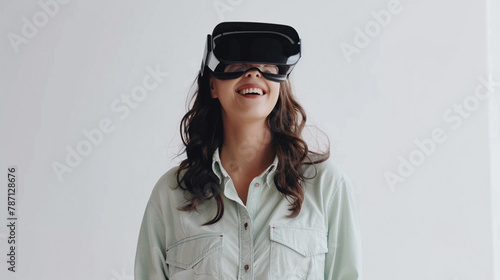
(63, 76)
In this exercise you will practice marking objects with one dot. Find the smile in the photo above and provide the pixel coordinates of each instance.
(254, 91)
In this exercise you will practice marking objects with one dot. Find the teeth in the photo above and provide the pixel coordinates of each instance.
(249, 90)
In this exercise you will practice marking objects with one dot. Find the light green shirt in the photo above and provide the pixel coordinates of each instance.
(256, 240)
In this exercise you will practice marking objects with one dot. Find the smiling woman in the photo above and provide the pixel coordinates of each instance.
(250, 201)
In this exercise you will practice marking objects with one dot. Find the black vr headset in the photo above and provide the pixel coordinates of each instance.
(237, 47)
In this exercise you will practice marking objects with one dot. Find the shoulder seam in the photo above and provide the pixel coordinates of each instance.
(337, 187)
(157, 213)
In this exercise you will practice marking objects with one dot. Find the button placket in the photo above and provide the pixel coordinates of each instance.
(253, 199)
(246, 244)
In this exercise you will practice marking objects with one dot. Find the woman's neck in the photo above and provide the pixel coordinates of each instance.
(246, 147)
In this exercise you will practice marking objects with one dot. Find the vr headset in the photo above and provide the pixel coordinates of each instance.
(234, 48)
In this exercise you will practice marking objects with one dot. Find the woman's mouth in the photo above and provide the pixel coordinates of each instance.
(251, 91)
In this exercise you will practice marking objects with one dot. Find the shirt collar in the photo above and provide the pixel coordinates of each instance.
(221, 173)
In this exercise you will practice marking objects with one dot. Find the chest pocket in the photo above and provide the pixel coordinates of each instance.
(196, 257)
(297, 252)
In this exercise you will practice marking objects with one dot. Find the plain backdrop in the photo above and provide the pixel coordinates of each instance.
(391, 83)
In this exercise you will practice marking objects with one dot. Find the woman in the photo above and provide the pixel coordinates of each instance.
(250, 201)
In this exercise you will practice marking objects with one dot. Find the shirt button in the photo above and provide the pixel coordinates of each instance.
(257, 185)
(246, 267)
(246, 225)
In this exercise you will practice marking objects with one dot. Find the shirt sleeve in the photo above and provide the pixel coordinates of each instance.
(150, 255)
(344, 257)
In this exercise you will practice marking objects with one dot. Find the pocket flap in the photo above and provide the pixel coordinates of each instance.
(304, 240)
(187, 252)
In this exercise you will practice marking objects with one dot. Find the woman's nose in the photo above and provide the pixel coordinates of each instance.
(253, 73)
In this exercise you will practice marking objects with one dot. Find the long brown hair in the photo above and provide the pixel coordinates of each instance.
(202, 133)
